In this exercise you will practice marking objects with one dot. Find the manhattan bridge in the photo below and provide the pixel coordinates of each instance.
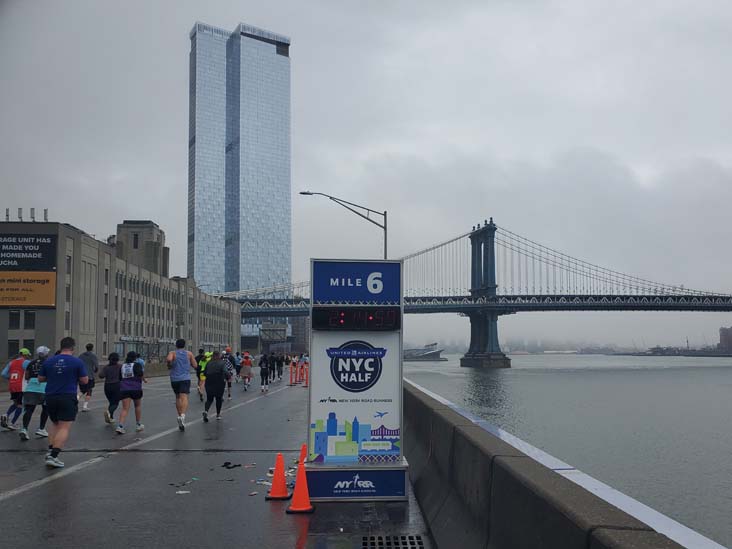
(491, 271)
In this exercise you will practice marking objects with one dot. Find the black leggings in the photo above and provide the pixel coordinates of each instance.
(28, 414)
(265, 376)
(215, 392)
(111, 391)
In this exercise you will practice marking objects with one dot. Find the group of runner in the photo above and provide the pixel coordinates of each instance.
(271, 366)
(52, 382)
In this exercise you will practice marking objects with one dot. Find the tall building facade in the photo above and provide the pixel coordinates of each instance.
(142, 242)
(239, 206)
(75, 285)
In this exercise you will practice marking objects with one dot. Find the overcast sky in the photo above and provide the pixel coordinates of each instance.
(600, 129)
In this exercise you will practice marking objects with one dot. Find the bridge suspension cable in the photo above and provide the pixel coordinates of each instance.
(541, 270)
(522, 267)
(442, 269)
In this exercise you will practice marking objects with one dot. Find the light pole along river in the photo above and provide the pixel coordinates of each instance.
(355, 209)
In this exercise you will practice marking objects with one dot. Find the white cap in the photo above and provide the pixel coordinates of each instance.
(44, 351)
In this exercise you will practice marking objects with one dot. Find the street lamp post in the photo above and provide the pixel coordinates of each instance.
(355, 209)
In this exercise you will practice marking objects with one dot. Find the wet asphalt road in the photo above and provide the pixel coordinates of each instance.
(121, 490)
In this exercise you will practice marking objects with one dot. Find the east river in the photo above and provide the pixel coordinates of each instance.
(658, 429)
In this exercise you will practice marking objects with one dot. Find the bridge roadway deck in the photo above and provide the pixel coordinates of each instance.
(123, 491)
(510, 304)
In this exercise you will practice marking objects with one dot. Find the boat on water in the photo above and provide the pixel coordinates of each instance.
(428, 353)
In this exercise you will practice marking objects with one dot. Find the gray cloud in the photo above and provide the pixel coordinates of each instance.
(599, 130)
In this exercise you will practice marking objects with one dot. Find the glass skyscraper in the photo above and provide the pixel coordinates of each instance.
(239, 212)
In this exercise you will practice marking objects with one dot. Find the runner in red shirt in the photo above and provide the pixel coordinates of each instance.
(14, 372)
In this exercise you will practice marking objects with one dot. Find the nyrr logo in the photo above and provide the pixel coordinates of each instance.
(355, 483)
(356, 365)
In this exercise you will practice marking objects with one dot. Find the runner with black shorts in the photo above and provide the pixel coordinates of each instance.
(200, 357)
(62, 374)
(264, 373)
(237, 365)
(180, 362)
(217, 374)
(91, 362)
(132, 376)
(111, 376)
(228, 358)
(272, 367)
(35, 395)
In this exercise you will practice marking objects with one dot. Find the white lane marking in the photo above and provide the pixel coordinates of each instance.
(84, 464)
(41, 482)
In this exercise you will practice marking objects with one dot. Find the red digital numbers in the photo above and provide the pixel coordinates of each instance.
(356, 318)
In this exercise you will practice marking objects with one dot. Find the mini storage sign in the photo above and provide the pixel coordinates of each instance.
(355, 424)
(27, 270)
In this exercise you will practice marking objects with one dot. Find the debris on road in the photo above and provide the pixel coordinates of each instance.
(184, 483)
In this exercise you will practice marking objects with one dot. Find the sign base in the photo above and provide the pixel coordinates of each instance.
(383, 482)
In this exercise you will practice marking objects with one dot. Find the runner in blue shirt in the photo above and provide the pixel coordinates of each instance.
(62, 375)
(180, 362)
(237, 366)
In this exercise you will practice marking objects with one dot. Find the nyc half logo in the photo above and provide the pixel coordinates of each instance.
(356, 365)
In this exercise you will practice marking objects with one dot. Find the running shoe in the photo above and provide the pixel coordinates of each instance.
(181, 424)
(85, 408)
(4, 421)
(205, 416)
(229, 397)
(54, 462)
(219, 418)
(107, 416)
(120, 430)
(140, 427)
(48, 453)
(41, 433)
(12, 427)
(24, 434)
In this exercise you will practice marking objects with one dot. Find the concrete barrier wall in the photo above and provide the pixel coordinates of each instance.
(477, 490)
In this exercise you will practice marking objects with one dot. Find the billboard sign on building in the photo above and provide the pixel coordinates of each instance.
(355, 420)
(27, 270)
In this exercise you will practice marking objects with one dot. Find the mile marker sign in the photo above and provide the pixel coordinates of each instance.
(355, 405)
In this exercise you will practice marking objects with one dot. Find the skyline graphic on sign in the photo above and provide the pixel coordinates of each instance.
(352, 442)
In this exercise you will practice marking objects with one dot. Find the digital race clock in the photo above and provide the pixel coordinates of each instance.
(373, 319)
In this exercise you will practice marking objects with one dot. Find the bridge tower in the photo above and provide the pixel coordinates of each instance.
(484, 351)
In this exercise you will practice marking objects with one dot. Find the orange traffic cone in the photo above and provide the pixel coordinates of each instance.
(301, 498)
(303, 453)
(279, 483)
